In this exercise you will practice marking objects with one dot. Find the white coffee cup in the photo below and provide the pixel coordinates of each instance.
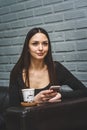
(28, 94)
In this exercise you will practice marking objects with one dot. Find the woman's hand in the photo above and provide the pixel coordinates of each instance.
(57, 98)
(47, 95)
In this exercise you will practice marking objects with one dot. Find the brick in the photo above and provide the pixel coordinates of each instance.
(25, 14)
(58, 57)
(63, 47)
(82, 66)
(81, 45)
(57, 36)
(4, 10)
(70, 57)
(63, 6)
(9, 59)
(34, 21)
(53, 18)
(49, 28)
(17, 24)
(82, 23)
(18, 1)
(12, 41)
(42, 11)
(76, 35)
(10, 50)
(14, 33)
(22, 32)
(64, 26)
(9, 2)
(4, 75)
(74, 14)
(6, 67)
(81, 34)
(4, 26)
(82, 56)
(6, 2)
(4, 82)
(47, 2)
(1, 34)
(80, 3)
(9, 17)
(17, 7)
(70, 35)
(33, 4)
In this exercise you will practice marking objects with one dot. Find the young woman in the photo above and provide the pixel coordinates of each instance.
(36, 69)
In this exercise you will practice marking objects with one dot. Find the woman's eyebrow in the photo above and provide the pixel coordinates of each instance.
(38, 41)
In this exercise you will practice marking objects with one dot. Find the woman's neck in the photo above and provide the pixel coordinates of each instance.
(37, 65)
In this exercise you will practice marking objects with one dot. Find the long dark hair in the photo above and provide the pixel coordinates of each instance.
(24, 61)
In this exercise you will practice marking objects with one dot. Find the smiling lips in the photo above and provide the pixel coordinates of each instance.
(40, 54)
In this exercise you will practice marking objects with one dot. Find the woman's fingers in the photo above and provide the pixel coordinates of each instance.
(44, 92)
(56, 98)
(47, 95)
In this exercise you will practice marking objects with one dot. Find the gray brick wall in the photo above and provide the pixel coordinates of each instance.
(65, 21)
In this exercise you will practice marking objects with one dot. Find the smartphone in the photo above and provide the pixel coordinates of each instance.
(55, 88)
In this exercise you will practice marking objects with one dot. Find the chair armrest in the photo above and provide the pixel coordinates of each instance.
(68, 114)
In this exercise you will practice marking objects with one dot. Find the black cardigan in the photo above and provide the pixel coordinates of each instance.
(64, 77)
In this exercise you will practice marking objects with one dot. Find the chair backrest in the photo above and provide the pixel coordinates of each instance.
(4, 98)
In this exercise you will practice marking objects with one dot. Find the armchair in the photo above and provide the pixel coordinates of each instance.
(66, 115)
(4, 103)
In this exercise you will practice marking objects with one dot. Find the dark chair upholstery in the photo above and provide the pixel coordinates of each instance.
(66, 115)
(4, 103)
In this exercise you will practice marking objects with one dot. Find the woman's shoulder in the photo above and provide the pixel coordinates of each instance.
(60, 67)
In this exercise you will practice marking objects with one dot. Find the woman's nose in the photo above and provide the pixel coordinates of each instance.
(40, 47)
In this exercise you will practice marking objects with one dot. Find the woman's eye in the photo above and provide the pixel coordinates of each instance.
(35, 43)
(45, 43)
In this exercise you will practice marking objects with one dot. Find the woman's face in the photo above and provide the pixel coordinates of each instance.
(38, 46)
